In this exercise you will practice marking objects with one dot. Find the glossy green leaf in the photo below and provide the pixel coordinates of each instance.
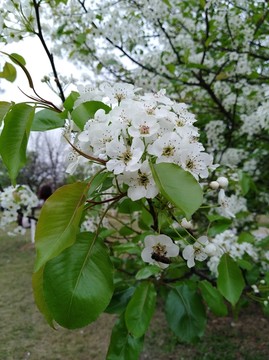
(86, 111)
(4, 107)
(213, 298)
(185, 313)
(70, 100)
(147, 271)
(120, 300)
(129, 247)
(127, 206)
(245, 182)
(78, 284)
(14, 138)
(245, 236)
(140, 309)
(61, 1)
(58, 222)
(179, 187)
(9, 72)
(37, 284)
(96, 182)
(123, 345)
(230, 281)
(46, 120)
(17, 58)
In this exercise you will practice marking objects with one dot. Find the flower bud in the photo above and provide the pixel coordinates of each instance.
(186, 224)
(214, 185)
(210, 249)
(223, 181)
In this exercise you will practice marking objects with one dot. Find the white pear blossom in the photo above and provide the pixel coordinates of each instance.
(166, 148)
(158, 249)
(186, 224)
(195, 251)
(141, 183)
(118, 92)
(196, 163)
(123, 157)
(225, 208)
(144, 126)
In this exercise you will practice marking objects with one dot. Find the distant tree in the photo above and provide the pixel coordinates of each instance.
(45, 163)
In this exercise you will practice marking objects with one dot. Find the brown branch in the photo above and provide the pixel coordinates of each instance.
(39, 33)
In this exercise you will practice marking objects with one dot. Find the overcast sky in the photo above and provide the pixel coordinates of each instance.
(38, 65)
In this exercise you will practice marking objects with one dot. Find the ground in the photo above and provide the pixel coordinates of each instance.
(25, 335)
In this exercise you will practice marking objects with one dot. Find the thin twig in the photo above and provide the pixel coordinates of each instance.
(39, 33)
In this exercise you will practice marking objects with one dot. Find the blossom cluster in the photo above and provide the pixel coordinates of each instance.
(16, 201)
(139, 130)
(160, 248)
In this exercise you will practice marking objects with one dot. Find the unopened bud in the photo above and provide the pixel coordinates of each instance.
(210, 249)
(214, 185)
(223, 181)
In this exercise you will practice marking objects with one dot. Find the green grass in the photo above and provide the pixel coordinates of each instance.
(24, 334)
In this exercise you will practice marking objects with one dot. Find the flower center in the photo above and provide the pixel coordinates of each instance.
(190, 164)
(120, 96)
(144, 129)
(143, 179)
(180, 123)
(126, 156)
(197, 251)
(168, 151)
(159, 249)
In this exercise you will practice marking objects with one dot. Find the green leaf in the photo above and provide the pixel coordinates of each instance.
(61, 1)
(120, 300)
(179, 187)
(78, 284)
(147, 272)
(230, 281)
(123, 345)
(46, 120)
(263, 243)
(129, 248)
(18, 58)
(167, 2)
(86, 111)
(246, 237)
(245, 182)
(37, 284)
(185, 313)
(58, 222)
(9, 72)
(70, 100)
(14, 138)
(213, 298)
(127, 206)
(96, 182)
(244, 264)
(4, 107)
(140, 309)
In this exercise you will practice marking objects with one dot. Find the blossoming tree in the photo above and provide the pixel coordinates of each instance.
(153, 212)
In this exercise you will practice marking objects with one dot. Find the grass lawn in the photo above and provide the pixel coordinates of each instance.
(24, 334)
